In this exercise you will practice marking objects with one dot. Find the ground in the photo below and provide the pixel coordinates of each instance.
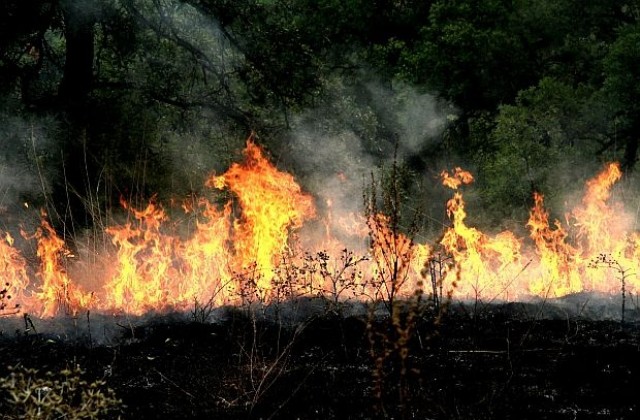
(491, 362)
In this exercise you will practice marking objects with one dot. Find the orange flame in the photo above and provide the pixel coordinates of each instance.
(240, 246)
(13, 271)
(145, 263)
(483, 266)
(558, 274)
(157, 270)
(57, 293)
(396, 268)
(207, 265)
(595, 218)
(272, 205)
(458, 178)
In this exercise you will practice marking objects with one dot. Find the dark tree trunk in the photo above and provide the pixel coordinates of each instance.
(70, 194)
(79, 22)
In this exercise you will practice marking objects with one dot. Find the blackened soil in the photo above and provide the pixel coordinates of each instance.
(498, 364)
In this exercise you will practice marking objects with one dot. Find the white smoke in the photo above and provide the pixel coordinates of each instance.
(357, 132)
(27, 162)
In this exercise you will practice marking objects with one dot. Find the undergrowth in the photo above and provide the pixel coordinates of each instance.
(30, 394)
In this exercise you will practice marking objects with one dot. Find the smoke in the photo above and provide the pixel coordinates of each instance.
(27, 170)
(418, 118)
(358, 132)
(204, 139)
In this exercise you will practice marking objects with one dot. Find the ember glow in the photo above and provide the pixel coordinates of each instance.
(247, 249)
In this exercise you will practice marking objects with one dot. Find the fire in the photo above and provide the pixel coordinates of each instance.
(483, 266)
(207, 269)
(243, 245)
(594, 219)
(604, 248)
(602, 237)
(394, 256)
(604, 233)
(145, 263)
(558, 272)
(58, 294)
(272, 205)
(458, 178)
(13, 271)
(157, 270)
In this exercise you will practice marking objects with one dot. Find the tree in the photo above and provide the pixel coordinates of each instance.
(622, 89)
(550, 131)
(465, 52)
(24, 47)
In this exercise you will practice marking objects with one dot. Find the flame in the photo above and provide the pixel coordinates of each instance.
(483, 266)
(57, 293)
(603, 240)
(393, 255)
(13, 271)
(594, 218)
(272, 205)
(558, 274)
(157, 271)
(207, 269)
(246, 247)
(458, 178)
(145, 263)
(604, 234)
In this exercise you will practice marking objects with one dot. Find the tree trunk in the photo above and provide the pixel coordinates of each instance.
(79, 22)
(70, 193)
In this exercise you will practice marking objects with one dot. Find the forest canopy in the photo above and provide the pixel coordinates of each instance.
(102, 99)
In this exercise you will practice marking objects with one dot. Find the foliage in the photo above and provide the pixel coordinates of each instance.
(622, 73)
(30, 394)
(544, 134)
(334, 281)
(466, 49)
(392, 249)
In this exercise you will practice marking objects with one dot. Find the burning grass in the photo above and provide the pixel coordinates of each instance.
(250, 249)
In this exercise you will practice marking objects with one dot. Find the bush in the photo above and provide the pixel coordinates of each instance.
(28, 394)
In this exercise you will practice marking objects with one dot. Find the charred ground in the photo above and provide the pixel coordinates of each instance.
(499, 361)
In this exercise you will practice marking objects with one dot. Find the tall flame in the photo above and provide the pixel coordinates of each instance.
(595, 218)
(558, 273)
(145, 270)
(272, 204)
(483, 265)
(207, 267)
(157, 270)
(58, 293)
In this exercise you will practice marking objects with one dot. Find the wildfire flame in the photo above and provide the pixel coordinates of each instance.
(13, 271)
(480, 262)
(272, 205)
(246, 248)
(458, 178)
(558, 272)
(57, 292)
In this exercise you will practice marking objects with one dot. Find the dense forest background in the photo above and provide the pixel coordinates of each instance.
(102, 99)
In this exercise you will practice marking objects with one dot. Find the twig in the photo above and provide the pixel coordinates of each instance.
(164, 377)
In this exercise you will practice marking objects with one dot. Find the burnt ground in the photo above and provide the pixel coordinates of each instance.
(502, 361)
